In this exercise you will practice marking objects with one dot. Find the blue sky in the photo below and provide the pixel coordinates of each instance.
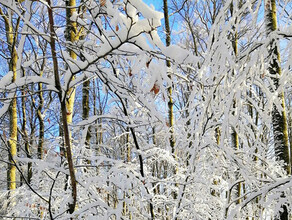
(157, 4)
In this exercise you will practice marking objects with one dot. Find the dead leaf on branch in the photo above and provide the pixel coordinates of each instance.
(102, 3)
(130, 72)
(155, 89)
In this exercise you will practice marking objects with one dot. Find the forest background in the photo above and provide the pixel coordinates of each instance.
(113, 109)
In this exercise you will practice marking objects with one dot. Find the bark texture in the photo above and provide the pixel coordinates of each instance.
(62, 99)
(279, 118)
(11, 37)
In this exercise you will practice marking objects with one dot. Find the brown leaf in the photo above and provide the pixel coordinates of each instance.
(102, 2)
(155, 89)
(117, 27)
(130, 72)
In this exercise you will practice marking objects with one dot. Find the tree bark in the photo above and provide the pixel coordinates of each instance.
(85, 105)
(71, 35)
(169, 89)
(41, 120)
(62, 99)
(234, 134)
(11, 40)
(24, 131)
(279, 119)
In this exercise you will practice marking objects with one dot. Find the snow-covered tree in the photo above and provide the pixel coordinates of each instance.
(119, 111)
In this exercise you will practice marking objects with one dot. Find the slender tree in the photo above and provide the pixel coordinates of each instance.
(39, 111)
(168, 64)
(169, 89)
(11, 37)
(72, 35)
(24, 132)
(280, 127)
(234, 134)
(279, 118)
(64, 114)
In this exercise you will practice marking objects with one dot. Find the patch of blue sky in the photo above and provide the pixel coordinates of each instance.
(158, 4)
(174, 24)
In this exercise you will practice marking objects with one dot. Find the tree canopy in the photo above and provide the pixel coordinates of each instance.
(112, 109)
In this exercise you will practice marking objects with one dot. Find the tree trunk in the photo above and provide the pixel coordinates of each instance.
(170, 100)
(41, 120)
(62, 99)
(279, 119)
(72, 35)
(234, 134)
(25, 135)
(86, 81)
(85, 106)
(11, 40)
